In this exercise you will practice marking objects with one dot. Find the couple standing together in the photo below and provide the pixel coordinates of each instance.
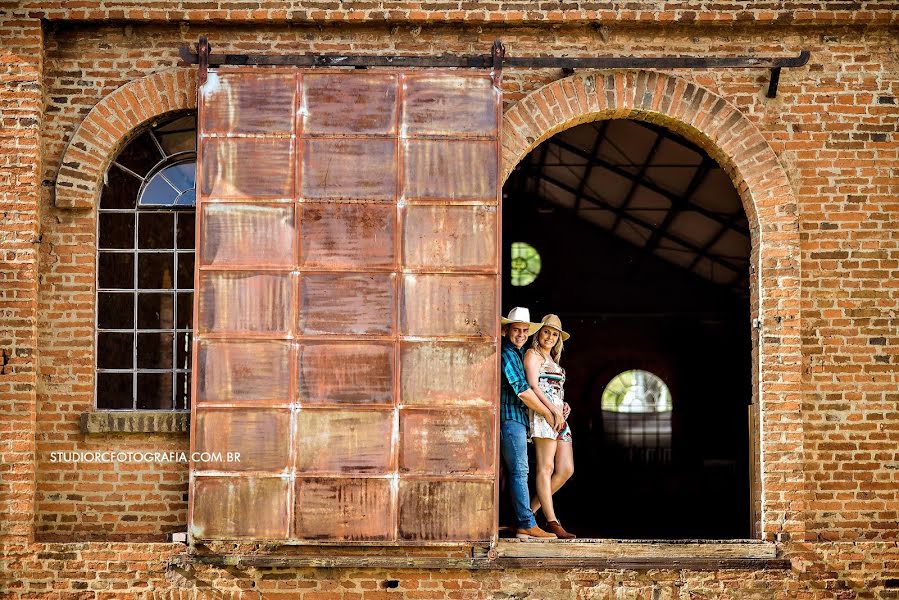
(532, 407)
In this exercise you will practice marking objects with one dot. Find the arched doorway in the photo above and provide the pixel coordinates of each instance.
(735, 142)
(638, 239)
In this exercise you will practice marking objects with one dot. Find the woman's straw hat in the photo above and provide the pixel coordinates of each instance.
(553, 322)
(519, 314)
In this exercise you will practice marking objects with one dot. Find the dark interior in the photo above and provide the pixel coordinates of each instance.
(644, 250)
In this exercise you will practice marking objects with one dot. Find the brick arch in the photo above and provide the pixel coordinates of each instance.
(728, 136)
(110, 124)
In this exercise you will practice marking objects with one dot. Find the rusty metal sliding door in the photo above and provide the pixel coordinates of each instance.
(347, 307)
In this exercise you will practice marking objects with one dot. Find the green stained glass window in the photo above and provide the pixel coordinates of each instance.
(525, 264)
(636, 391)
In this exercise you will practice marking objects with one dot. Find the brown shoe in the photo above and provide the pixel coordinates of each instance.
(534, 533)
(560, 532)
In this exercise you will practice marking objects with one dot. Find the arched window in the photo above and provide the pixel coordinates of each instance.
(636, 409)
(145, 269)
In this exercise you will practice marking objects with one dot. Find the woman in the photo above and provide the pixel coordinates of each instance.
(552, 441)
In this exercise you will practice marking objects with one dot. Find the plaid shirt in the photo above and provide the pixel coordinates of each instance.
(513, 383)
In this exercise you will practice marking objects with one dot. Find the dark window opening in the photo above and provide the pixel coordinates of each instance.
(644, 249)
(145, 270)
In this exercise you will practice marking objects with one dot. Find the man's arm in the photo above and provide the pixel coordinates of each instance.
(532, 362)
(531, 400)
(513, 371)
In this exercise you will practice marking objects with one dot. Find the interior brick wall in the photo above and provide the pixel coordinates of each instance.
(832, 129)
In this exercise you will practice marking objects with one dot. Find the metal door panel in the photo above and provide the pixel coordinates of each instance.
(254, 103)
(445, 169)
(445, 510)
(433, 105)
(236, 302)
(246, 168)
(471, 246)
(239, 508)
(247, 235)
(466, 377)
(347, 306)
(346, 373)
(350, 169)
(358, 509)
(347, 236)
(344, 441)
(365, 104)
(446, 442)
(347, 303)
(448, 305)
(243, 371)
(252, 436)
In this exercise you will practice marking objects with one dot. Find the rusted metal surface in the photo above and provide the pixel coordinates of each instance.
(443, 170)
(258, 439)
(467, 375)
(238, 235)
(243, 372)
(347, 236)
(472, 244)
(445, 510)
(347, 307)
(347, 303)
(346, 373)
(236, 302)
(447, 442)
(344, 509)
(236, 507)
(443, 305)
(341, 441)
(246, 168)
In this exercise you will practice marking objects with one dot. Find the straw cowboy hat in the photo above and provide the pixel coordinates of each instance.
(519, 314)
(553, 322)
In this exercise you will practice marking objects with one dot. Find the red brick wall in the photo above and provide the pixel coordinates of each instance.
(118, 570)
(21, 99)
(832, 129)
(471, 11)
(803, 125)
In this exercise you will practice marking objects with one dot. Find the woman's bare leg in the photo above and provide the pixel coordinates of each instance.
(546, 464)
(563, 469)
(564, 465)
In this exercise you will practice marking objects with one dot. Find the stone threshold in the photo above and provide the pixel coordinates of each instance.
(640, 555)
(135, 421)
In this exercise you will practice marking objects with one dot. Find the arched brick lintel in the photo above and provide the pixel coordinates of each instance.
(110, 123)
(697, 113)
(711, 122)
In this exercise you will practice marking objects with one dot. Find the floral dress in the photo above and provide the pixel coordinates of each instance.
(552, 383)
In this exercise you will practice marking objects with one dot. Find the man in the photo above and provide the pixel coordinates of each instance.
(516, 396)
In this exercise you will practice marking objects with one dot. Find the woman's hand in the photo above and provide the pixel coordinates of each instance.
(566, 410)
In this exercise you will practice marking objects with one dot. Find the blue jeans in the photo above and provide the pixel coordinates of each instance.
(513, 445)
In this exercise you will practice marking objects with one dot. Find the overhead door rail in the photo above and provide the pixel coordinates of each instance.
(496, 60)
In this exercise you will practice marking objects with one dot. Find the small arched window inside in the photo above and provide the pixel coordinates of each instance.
(145, 269)
(525, 264)
(636, 410)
